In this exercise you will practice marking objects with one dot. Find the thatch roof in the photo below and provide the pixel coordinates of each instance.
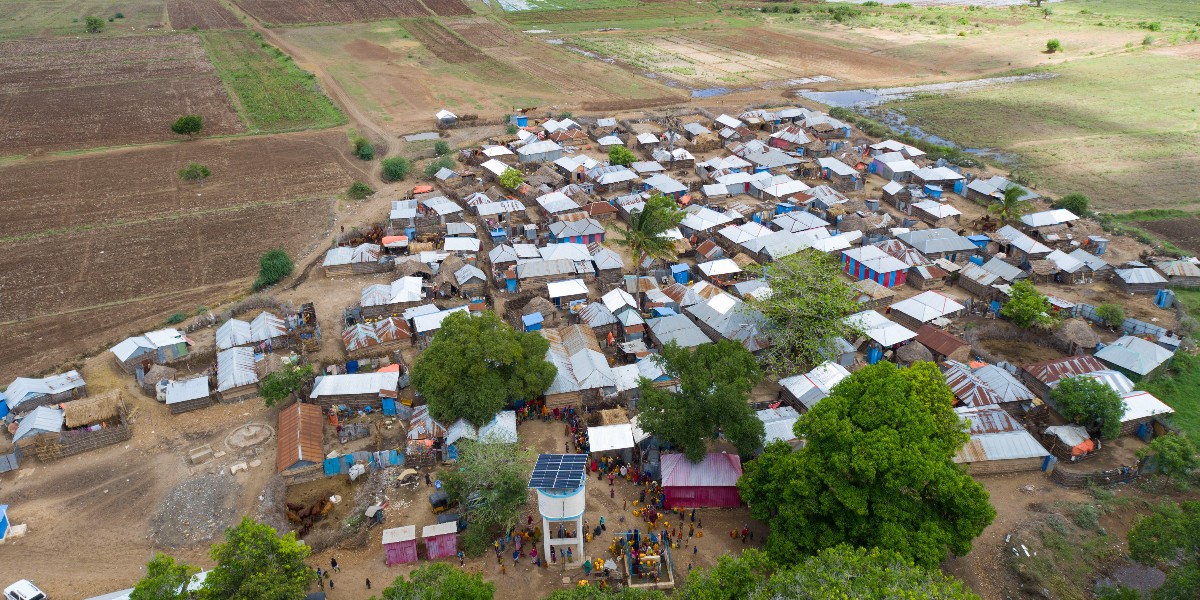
(1077, 331)
(415, 247)
(911, 353)
(852, 222)
(93, 409)
(156, 374)
(743, 260)
(411, 267)
(1043, 267)
(449, 267)
(613, 416)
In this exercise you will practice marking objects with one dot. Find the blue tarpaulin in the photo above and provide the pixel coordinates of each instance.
(374, 460)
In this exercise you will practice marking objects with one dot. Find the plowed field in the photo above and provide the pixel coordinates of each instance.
(448, 8)
(102, 234)
(443, 43)
(202, 14)
(77, 93)
(321, 11)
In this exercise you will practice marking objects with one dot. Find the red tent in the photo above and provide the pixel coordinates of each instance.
(711, 483)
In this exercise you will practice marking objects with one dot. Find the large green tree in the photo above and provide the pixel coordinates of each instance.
(165, 580)
(278, 386)
(1170, 538)
(714, 385)
(644, 236)
(620, 155)
(876, 471)
(805, 309)
(476, 365)
(255, 563)
(593, 592)
(1090, 403)
(1010, 206)
(840, 572)
(1174, 454)
(489, 481)
(188, 125)
(1027, 307)
(439, 581)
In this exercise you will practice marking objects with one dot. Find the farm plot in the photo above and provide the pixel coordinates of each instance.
(443, 43)
(27, 18)
(642, 16)
(483, 33)
(145, 83)
(274, 94)
(145, 233)
(201, 14)
(692, 60)
(1184, 232)
(448, 8)
(523, 5)
(284, 12)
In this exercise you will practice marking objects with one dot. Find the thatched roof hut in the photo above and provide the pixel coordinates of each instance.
(450, 266)
(913, 353)
(413, 267)
(1076, 335)
(415, 247)
(743, 260)
(541, 304)
(852, 222)
(156, 374)
(93, 409)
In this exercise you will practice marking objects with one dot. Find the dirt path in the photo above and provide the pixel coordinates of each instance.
(360, 120)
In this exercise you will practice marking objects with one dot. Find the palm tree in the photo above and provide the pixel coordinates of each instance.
(1010, 206)
(644, 236)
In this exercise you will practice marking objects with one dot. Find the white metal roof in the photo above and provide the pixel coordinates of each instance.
(445, 114)
(721, 266)
(188, 389)
(798, 220)
(1140, 275)
(152, 340)
(541, 147)
(448, 527)
(702, 218)
(779, 423)
(1139, 405)
(235, 368)
(433, 321)
(43, 419)
(570, 287)
(495, 167)
(886, 333)
(815, 385)
(1134, 354)
(837, 166)
(610, 140)
(460, 244)
(556, 202)
(494, 151)
(610, 437)
(937, 209)
(678, 329)
(665, 184)
(618, 299)
(1049, 217)
(396, 535)
(442, 205)
(355, 384)
(403, 209)
(405, 289)
(25, 388)
(927, 306)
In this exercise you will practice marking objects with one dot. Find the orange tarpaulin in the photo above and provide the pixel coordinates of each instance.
(394, 239)
(422, 189)
(1083, 448)
(392, 368)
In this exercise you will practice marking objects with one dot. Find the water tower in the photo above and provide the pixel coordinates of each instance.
(560, 481)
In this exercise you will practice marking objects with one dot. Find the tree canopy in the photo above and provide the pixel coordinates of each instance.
(93, 24)
(593, 592)
(395, 168)
(441, 148)
(1010, 206)
(439, 581)
(714, 385)
(840, 572)
(165, 580)
(876, 471)
(1111, 313)
(273, 266)
(1170, 538)
(475, 366)
(620, 155)
(278, 386)
(1076, 203)
(188, 125)
(511, 178)
(254, 563)
(1090, 403)
(442, 162)
(195, 172)
(1174, 454)
(1028, 307)
(489, 482)
(805, 310)
(644, 236)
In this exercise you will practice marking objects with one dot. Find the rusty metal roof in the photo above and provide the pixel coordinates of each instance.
(941, 342)
(300, 436)
(1050, 371)
(969, 389)
(996, 435)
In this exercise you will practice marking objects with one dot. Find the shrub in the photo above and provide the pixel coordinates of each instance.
(1053, 46)
(188, 125)
(1076, 203)
(441, 148)
(93, 24)
(395, 168)
(120, 15)
(620, 155)
(511, 129)
(194, 172)
(272, 268)
(1150, 26)
(1111, 314)
(433, 167)
(903, 5)
(359, 190)
(363, 148)
(564, 115)
(1148, 40)
(1086, 516)
(176, 318)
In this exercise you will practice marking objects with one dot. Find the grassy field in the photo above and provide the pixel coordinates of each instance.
(23, 18)
(1115, 128)
(1180, 389)
(271, 92)
(528, 5)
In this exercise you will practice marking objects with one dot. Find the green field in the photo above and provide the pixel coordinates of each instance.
(1123, 129)
(23, 18)
(272, 94)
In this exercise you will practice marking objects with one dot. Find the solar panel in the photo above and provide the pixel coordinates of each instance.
(559, 471)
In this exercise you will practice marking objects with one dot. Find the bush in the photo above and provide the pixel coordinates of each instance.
(511, 129)
(620, 155)
(511, 178)
(441, 148)
(272, 268)
(475, 540)
(1152, 26)
(395, 168)
(1076, 203)
(93, 24)
(188, 125)
(1086, 516)
(359, 190)
(363, 148)
(1053, 46)
(1148, 40)
(1111, 314)
(176, 318)
(432, 168)
(120, 15)
(194, 172)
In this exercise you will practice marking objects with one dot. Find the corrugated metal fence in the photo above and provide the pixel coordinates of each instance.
(374, 460)
(1130, 326)
(10, 462)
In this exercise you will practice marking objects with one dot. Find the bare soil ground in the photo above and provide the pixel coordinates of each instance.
(202, 14)
(315, 11)
(146, 83)
(447, 8)
(1184, 232)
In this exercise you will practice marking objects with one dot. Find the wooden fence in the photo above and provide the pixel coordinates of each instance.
(1096, 478)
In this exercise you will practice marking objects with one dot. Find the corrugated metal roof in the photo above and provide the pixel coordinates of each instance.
(368, 384)
(1134, 354)
(969, 389)
(433, 321)
(188, 389)
(235, 368)
(398, 535)
(779, 423)
(733, 320)
(928, 306)
(678, 329)
(545, 268)
(996, 435)
(447, 528)
(879, 328)
(43, 419)
(816, 385)
(1139, 405)
(569, 287)
(1050, 371)
(1178, 268)
(941, 342)
(1003, 383)
(422, 426)
(1055, 216)
(930, 241)
(301, 436)
(27, 388)
(875, 259)
(1140, 275)
(715, 470)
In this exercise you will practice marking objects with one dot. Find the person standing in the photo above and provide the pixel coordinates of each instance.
(333, 563)
(331, 585)
(368, 583)
(462, 559)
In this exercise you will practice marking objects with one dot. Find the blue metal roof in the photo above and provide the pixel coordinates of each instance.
(532, 319)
